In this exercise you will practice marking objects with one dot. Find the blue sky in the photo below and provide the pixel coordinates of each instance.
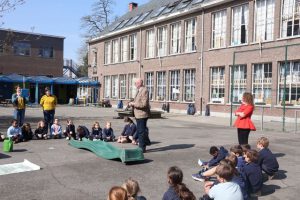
(58, 17)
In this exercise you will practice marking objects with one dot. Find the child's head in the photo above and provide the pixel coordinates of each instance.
(225, 172)
(128, 120)
(245, 148)
(26, 126)
(132, 187)
(236, 150)
(69, 121)
(14, 123)
(96, 125)
(262, 142)
(108, 125)
(230, 159)
(80, 130)
(56, 121)
(117, 193)
(175, 176)
(213, 150)
(251, 156)
(41, 124)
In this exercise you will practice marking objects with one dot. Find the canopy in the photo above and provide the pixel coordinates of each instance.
(65, 81)
(4, 79)
(40, 79)
(87, 81)
(16, 78)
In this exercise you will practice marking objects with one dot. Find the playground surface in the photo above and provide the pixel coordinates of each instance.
(70, 173)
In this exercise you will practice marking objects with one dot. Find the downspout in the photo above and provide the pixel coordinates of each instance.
(201, 61)
(140, 59)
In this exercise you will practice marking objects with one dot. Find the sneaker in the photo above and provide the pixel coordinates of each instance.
(199, 177)
(200, 163)
(67, 138)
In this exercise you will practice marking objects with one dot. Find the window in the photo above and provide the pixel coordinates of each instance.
(264, 20)
(290, 18)
(115, 50)
(219, 29)
(150, 43)
(190, 35)
(132, 88)
(175, 85)
(292, 90)
(46, 52)
(133, 47)
(95, 55)
(239, 82)
(217, 84)
(83, 91)
(107, 87)
(175, 38)
(161, 86)
(162, 39)
(1, 48)
(149, 83)
(22, 48)
(107, 52)
(262, 83)
(189, 85)
(240, 20)
(124, 49)
(123, 84)
(114, 87)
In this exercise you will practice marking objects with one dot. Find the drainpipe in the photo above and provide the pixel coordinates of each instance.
(140, 59)
(201, 62)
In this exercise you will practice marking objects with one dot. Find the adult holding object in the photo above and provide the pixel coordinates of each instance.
(19, 102)
(141, 110)
(48, 103)
(243, 122)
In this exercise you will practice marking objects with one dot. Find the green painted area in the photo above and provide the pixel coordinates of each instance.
(108, 151)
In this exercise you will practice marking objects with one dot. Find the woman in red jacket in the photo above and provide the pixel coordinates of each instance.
(243, 122)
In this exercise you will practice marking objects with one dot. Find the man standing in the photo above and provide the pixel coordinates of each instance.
(48, 102)
(19, 103)
(141, 110)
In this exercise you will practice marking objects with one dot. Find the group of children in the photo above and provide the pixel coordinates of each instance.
(238, 173)
(25, 133)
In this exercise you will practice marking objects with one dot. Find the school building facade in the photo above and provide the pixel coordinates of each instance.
(206, 52)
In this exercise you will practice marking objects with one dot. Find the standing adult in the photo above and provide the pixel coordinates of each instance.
(19, 103)
(243, 122)
(48, 102)
(141, 110)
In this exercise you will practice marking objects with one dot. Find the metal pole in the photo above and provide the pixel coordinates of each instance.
(262, 117)
(231, 89)
(36, 93)
(284, 90)
(296, 116)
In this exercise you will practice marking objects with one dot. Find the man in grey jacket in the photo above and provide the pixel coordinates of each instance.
(141, 110)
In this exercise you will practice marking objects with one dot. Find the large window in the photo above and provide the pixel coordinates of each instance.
(219, 29)
(262, 83)
(150, 43)
(217, 84)
(107, 87)
(46, 52)
(131, 84)
(83, 91)
(240, 20)
(162, 40)
(124, 49)
(239, 82)
(190, 35)
(189, 85)
(149, 83)
(107, 52)
(123, 84)
(264, 20)
(133, 47)
(290, 18)
(175, 38)
(114, 86)
(292, 89)
(175, 85)
(115, 50)
(22, 48)
(161, 86)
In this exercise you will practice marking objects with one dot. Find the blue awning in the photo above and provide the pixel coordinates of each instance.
(4, 79)
(16, 78)
(40, 79)
(65, 81)
(87, 81)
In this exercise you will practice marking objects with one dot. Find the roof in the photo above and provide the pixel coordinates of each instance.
(32, 33)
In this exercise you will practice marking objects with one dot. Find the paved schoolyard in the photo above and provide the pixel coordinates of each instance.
(69, 173)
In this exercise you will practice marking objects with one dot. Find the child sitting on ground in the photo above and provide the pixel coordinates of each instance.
(117, 193)
(108, 133)
(266, 159)
(218, 155)
(26, 132)
(41, 131)
(238, 152)
(14, 132)
(132, 187)
(2, 137)
(70, 130)
(82, 132)
(128, 131)
(177, 189)
(56, 130)
(96, 132)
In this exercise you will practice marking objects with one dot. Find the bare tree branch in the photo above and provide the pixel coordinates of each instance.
(7, 6)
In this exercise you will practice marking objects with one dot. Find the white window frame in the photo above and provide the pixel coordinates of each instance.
(132, 47)
(175, 29)
(240, 21)
(115, 51)
(189, 85)
(219, 20)
(161, 86)
(217, 84)
(123, 84)
(239, 82)
(190, 35)
(162, 41)
(290, 12)
(174, 93)
(149, 84)
(115, 87)
(82, 91)
(150, 43)
(124, 49)
(107, 87)
(131, 83)
(107, 52)
(262, 83)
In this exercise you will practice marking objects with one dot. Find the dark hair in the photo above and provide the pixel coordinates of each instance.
(252, 155)
(213, 150)
(47, 89)
(117, 193)
(245, 147)
(128, 119)
(237, 149)
(225, 171)
(13, 121)
(175, 177)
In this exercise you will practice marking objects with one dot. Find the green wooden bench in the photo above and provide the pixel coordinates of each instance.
(154, 114)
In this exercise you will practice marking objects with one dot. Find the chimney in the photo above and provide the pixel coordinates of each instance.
(132, 6)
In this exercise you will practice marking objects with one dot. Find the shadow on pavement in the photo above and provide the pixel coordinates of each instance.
(278, 155)
(171, 147)
(19, 150)
(3, 156)
(269, 189)
(139, 162)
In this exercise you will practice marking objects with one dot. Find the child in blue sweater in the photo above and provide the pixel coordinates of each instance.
(238, 152)
(96, 133)
(218, 155)
(14, 132)
(108, 133)
(266, 159)
(128, 131)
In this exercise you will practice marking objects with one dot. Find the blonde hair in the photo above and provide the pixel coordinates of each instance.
(94, 125)
(248, 97)
(39, 123)
(117, 193)
(132, 187)
(263, 141)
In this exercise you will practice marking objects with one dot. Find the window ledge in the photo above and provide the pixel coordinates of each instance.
(212, 49)
(288, 38)
(130, 61)
(288, 107)
(238, 45)
(210, 103)
(262, 42)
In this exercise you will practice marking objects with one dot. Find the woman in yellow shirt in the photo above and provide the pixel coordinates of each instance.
(48, 102)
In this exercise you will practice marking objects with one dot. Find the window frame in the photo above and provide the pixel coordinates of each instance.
(189, 84)
(122, 86)
(115, 51)
(173, 40)
(223, 30)
(150, 48)
(163, 42)
(192, 37)
(246, 24)
(107, 87)
(293, 20)
(219, 84)
(239, 83)
(22, 48)
(133, 47)
(149, 84)
(124, 49)
(174, 80)
(161, 85)
(107, 52)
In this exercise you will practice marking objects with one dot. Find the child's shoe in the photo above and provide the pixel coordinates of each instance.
(67, 138)
(199, 177)
(200, 163)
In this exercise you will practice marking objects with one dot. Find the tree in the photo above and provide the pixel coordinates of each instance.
(7, 6)
(82, 69)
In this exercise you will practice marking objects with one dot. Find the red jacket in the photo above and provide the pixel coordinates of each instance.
(245, 122)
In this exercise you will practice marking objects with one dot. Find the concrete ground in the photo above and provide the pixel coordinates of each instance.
(69, 173)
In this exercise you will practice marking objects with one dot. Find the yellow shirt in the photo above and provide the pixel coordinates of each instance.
(48, 102)
(21, 103)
